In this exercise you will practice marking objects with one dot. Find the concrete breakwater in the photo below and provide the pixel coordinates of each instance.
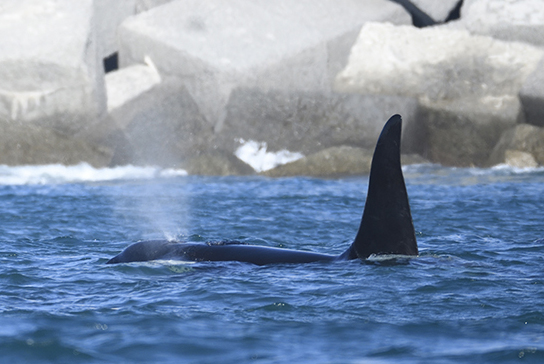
(188, 83)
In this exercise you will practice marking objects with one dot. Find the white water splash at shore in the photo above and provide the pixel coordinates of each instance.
(57, 174)
(497, 170)
(255, 154)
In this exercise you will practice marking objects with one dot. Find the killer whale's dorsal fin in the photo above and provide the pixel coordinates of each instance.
(386, 226)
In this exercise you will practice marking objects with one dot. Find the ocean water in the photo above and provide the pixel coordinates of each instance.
(474, 295)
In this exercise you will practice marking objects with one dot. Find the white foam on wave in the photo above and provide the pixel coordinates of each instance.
(388, 257)
(58, 173)
(516, 170)
(256, 155)
(498, 170)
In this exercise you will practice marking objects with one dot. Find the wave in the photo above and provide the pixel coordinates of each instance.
(80, 173)
(498, 170)
(437, 174)
(256, 155)
(83, 172)
(505, 168)
(429, 167)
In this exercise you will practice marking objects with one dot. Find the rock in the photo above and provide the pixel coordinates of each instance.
(108, 16)
(48, 66)
(24, 144)
(308, 122)
(463, 132)
(467, 86)
(217, 164)
(163, 126)
(335, 162)
(514, 20)
(407, 159)
(216, 46)
(330, 162)
(159, 126)
(519, 159)
(122, 86)
(532, 97)
(145, 5)
(522, 138)
(435, 63)
(129, 83)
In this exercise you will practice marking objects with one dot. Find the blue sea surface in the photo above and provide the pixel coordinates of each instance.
(474, 295)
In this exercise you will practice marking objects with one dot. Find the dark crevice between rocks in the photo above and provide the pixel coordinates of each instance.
(420, 19)
(111, 63)
(455, 13)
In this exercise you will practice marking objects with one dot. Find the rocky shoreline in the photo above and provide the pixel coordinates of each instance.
(184, 83)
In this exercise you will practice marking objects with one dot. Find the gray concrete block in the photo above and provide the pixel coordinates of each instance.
(216, 46)
(521, 146)
(464, 132)
(514, 20)
(108, 16)
(28, 144)
(161, 126)
(435, 63)
(330, 162)
(308, 122)
(51, 75)
(532, 96)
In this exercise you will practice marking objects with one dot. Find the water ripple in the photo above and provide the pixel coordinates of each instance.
(474, 294)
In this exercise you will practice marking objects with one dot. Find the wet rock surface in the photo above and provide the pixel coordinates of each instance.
(308, 122)
(335, 162)
(31, 144)
(463, 132)
(330, 162)
(522, 146)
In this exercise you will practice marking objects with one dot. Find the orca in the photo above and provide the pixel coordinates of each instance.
(386, 225)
